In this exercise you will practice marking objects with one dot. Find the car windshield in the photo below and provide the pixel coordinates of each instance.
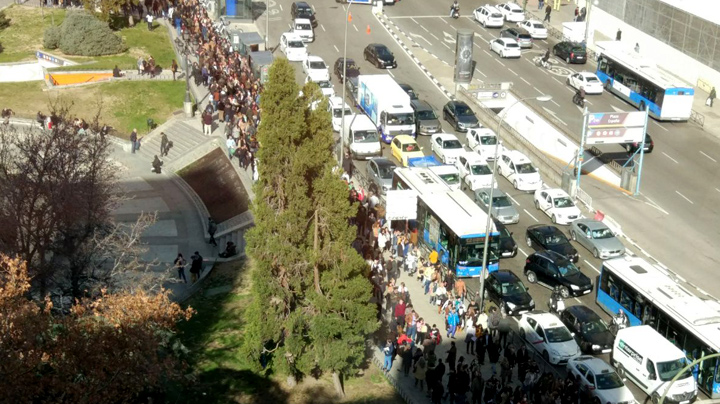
(452, 144)
(386, 172)
(563, 202)
(668, 370)
(591, 79)
(450, 179)
(513, 288)
(525, 168)
(383, 51)
(555, 239)
(558, 334)
(511, 45)
(303, 27)
(496, 15)
(401, 119)
(538, 26)
(501, 201)
(337, 112)
(317, 65)
(426, 114)
(602, 233)
(488, 140)
(365, 136)
(608, 381)
(324, 84)
(594, 327)
(463, 110)
(480, 169)
(567, 268)
(410, 147)
(296, 44)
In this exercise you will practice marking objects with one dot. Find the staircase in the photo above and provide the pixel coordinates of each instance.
(184, 135)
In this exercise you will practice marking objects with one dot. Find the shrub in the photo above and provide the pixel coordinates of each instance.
(4, 21)
(83, 34)
(51, 38)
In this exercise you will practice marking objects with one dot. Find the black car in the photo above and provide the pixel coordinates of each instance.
(351, 85)
(380, 56)
(409, 90)
(352, 69)
(506, 245)
(542, 237)
(551, 269)
(633, 147)
(572, 52)
(460, 116)
(506, 290)
(590, 331)
(301, 9)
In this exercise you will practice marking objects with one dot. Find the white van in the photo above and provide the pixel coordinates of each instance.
(303, 28)
(335, 106)
(361, 137)
(651, 362)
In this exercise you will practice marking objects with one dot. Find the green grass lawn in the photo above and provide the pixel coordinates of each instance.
(25, 35)
(125, 104)
(219, 374)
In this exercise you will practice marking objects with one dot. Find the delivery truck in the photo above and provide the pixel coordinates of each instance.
(387, 105)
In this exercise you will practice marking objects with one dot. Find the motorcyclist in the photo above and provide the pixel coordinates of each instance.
(580, 96)
(454, 8)
(620, 320)
(555, 299)
(546, 57)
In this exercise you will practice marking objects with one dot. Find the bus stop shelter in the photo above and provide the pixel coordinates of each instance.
(260, 63)
(247, 42)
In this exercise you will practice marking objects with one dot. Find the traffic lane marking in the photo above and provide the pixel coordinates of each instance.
(336, 48)
(323, 28)
(511, 71)
(713, 160)
(477, 70)
(591, 265)
(685, 197)
(666, 155)
(526, 82)
(529, 214)
(661, 126)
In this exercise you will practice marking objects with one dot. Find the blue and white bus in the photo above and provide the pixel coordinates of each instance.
(650, 295)
(449, 222)
(640, 82)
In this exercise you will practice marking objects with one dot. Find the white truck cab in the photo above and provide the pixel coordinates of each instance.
(361, 137)
(303, 28)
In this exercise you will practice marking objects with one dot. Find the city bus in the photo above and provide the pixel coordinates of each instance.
(450, 223)
(650, 295)
(641, 83)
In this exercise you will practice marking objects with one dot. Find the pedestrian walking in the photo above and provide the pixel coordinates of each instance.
(541, 3)
(577, 13)
(388, 352)
(637, 47)
(180, 266)
(149, 18)
(453, 321)
(133, 140)
(157, 165)
(196, 261)
(470, 337)
(212, 229)
(140, 64)
(164, 144)
(420, 371)
(451, 356)
(548, 10)
(231, 145)
(174, 68)
(406, 356)
(618, 35)
(711, 98)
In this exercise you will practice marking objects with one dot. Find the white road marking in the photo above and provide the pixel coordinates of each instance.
(501, 63)
(483, 74)
(660, 126)
(685, 197)
(591, 266)
(536, 89)
(523, 252)
(531, 215)
(313, 7)
(390, 73)
(526, 82)
(577, 300)
(433, 35)
(419, 36)
(666, 155)
(281, 9)
(513, 199)
(511, 71)
(588, 101)
(656, 206)
(323, 27)
(487, 53)
(714, 161)
(355, 26)
(447, 46)
(445, 21)
(717, 189)
(336, 49)
(553, 101)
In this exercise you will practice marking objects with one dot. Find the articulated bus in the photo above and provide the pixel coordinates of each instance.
(650, 295)
(449, 222)
(640, 82)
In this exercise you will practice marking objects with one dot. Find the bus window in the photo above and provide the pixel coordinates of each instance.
(443, 237)
(603, 65)
(613, 289)
(627, 301)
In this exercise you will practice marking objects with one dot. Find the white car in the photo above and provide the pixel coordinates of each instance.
(601, 380)
(448, 174)
(293, 47)
(316, 69)
(483, 141)
(557, 204)
(549, 336)
(512, 12)
(488, 16)
(325, 86)
(447, 147)
(505, 47)
(303, 28)
(474, 171)
(519, 170)
(587, 80)
(536, 29)
(336, 106)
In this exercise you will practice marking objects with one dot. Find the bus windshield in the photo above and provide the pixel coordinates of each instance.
(471, 255)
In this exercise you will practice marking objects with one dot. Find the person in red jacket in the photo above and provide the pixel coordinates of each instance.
(400, 313)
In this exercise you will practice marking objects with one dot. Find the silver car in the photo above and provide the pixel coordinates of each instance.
(380, 174)
(502, 209)
(596, 237)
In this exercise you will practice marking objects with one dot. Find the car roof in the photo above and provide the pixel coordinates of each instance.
(496, 193)
(474, 158)
(382, 162)
(592, 224)
(292, 36)
(405, 86)
(302, 4)
(421, 105)
(302, 21)
(405, 139)
(545, 229)
(586, 74)
(314, 58)
(377, 45)
(340, 60)
(596, 364)
(555, 192)
(516, 156)
(504, 275)
(445, 136)
(513, 5)
(535, 22)
(582, 312)
(551, 255)
(489, 7)
(337, 101)
(545, 319)
(507, 40)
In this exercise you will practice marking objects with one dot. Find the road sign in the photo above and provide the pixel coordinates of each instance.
(617, 135)
(615, 127)
(401, 205)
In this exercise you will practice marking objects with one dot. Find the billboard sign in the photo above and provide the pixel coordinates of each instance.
(615, 127)
(464, 55)
(401, 204)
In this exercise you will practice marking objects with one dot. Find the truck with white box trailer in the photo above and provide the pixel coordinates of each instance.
(387, 105)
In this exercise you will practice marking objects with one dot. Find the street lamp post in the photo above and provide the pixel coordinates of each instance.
(344, 86)
(541, 98)
(187, 105)
(267, 24)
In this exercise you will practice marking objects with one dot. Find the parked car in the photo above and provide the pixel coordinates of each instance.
(507, 291)
(505, 47)
(635, 146)
(404, 147)
(536, 29)
(380, 175)
(315, 68)
(483, 141)
(601, 380)
(352, 69)
(326, 86)
(460, 116)
(426, 119)
(549, 336)
(507, 247)
(338, 108)
(502, 208)
(520, 35)
(512, 12)
(542, 237)
(380, 56)
(303, 28)
(474, 171)
(590, 331)
(557, 204)
(351, 85)
(447, 147)
(572, 52)
(519, 170)
(301, 9)
(587, 80)
(409, 90)
(551, 269)
(292, 45)
(597, 238)
(488, 16)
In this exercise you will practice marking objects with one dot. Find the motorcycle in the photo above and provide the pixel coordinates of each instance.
(619, 322)
(455, 12)
(579, 101)
(556, 303)
(543, 63)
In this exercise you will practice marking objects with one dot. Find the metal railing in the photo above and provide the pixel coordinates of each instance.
(698, 118)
